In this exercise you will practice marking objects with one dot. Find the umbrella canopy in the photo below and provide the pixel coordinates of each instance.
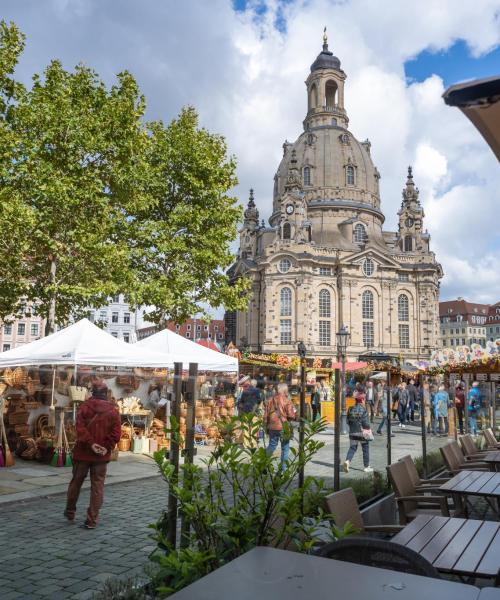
(83, 344)
(350, 366)
(479, 100)
(186, 351)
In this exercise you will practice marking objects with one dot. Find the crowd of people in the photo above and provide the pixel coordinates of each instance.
(408, 401)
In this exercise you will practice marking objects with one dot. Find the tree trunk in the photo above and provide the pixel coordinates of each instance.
(50, 327)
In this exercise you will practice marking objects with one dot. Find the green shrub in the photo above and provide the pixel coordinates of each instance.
(434, 463)
(367, 488)
(241, 499)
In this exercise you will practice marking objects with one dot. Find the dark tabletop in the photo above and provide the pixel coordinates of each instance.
(270, 574)
(493, 457)
(477, 483)
(460, 546)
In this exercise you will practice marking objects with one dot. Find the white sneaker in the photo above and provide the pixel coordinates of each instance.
(368, 470)
(346, 466)
(403, 426)
(400, 425)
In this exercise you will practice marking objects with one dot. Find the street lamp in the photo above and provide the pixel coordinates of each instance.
(343, 337)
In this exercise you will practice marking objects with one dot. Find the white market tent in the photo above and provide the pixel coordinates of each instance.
(186, 351)
(83, 344)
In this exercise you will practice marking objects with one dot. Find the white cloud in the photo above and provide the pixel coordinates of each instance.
(247, 81)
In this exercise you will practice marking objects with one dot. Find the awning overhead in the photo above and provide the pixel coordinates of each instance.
(479, 100)
(186, 351)
(83, 344)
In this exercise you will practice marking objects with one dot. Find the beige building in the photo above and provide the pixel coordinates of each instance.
(325, 259)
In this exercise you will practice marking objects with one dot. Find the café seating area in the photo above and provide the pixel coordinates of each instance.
(445, 543)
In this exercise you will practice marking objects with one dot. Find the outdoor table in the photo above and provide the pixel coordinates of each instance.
(473, 483)
(493, 459)
(269, 574)
(489, 594)
(465, 547)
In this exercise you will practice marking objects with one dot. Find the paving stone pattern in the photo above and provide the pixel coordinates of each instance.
(44, 556)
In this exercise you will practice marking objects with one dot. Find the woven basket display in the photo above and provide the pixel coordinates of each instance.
(19, 418)
(32, 405)
(22, 429)
(77, 393)
(19, 377)
(8, 377)
(124, 445)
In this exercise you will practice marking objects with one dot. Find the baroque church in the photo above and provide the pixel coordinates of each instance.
(325, 261)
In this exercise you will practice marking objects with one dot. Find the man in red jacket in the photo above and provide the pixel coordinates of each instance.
(98, 429)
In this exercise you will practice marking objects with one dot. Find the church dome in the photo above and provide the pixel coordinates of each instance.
(333, 165)
(325, 60)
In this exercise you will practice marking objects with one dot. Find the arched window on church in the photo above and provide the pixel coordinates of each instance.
(287, 231)
(403, 308)
(307, 176)
(313, 96)
(324, 304)
(408, 243)
(286, 302)
(349, 175)
(330, 93)
(359, 234)
(367, 313)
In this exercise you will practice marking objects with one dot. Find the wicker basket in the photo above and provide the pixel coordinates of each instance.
(77, 393)
(22, 429)
(32, 405)
(18, 418)
(124, 445)
(19, 377)
(8, 377)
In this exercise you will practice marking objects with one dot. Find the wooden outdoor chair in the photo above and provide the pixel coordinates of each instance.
(491, 440)
(421, 485)
(469, 448)
(455, 464)
(344, 508)
(410, 503)
(463, 459)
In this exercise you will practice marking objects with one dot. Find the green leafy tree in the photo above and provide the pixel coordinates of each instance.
(182, 238)
(95, 201)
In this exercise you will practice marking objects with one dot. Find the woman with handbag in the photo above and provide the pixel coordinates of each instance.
(359, 431)
(278, 413)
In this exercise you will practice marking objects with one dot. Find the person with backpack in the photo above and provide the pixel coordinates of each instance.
(474, 405)
(98, 430)
(279, 411)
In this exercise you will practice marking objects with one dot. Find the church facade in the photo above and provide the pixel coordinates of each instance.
(325, 261)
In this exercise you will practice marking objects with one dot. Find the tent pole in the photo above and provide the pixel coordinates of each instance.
(174, 454)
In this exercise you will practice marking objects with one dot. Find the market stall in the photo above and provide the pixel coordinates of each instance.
(46, 380)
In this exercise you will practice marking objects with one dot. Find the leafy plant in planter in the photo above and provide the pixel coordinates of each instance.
(241, 499)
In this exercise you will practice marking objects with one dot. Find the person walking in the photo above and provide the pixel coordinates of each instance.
(426, 404)
(358, 421)
(278, 412)
(460, 406)
(442, 400)
(316, 402)
(403, 404)
(379, 397)
(474, 405)
(370, 400)
(412, 400)
(98, 430)
(250, 397)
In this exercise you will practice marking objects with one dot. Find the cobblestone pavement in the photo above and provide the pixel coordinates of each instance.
(43, 556)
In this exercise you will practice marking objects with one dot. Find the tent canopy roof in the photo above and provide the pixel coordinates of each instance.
(186, 351)
(83, 344)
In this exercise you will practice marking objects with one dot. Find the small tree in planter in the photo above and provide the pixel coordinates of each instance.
(242, 499)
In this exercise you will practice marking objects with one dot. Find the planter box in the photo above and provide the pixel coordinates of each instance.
(381, 512)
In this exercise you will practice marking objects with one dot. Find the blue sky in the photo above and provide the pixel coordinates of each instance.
(453, 65)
